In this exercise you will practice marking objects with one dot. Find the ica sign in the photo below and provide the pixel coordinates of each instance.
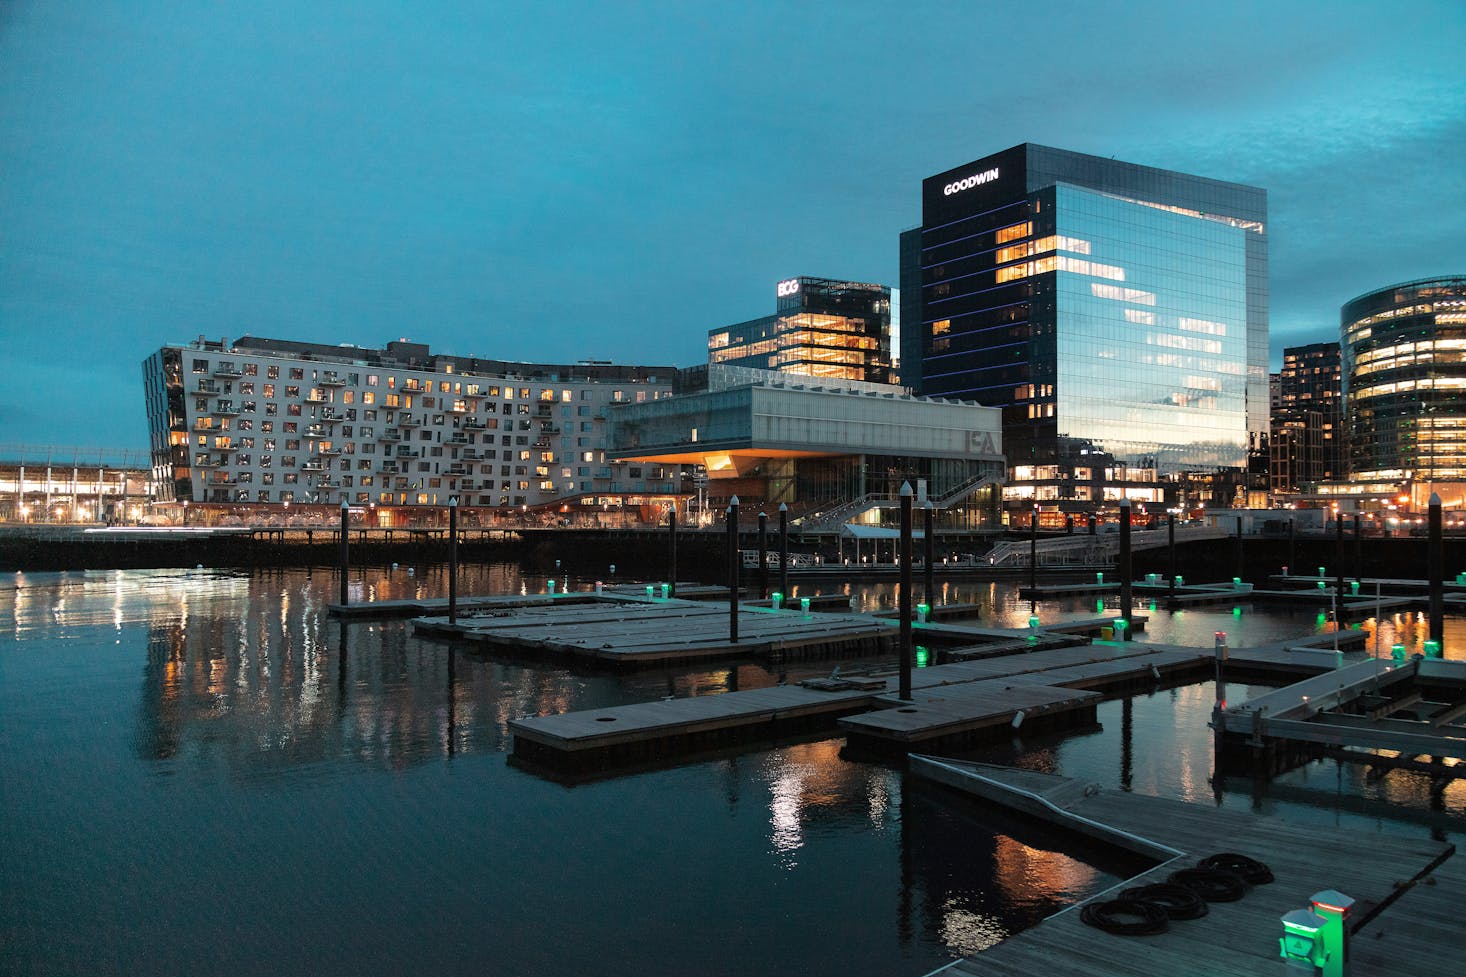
(788, 287)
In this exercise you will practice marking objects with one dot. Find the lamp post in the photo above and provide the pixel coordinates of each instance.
(905, 610)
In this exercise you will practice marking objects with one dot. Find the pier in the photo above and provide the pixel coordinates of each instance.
(951, 703)
(1407, 891)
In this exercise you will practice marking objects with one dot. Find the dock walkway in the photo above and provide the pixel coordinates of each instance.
(1407, 890)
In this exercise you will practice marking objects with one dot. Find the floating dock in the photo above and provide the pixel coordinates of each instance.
(1414, 708)
(1407, 891)
(951, 703)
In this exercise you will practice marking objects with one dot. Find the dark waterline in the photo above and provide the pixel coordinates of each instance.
(204, 774)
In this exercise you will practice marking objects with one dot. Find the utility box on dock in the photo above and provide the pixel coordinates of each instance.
(1302, 942)
(1334, 907)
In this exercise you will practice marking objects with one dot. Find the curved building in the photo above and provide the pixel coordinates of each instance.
(1404, 350)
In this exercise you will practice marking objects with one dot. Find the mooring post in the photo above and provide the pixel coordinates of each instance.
(734, 565)
(929, 555)
(1358, 551)
(763, 555)
(1171, 538)
(1338, 570)
(345, 551)
(905, 647)
(1241, 563)
(1292, 541)
(1093, 520)
(1125, 573)
(453, 560)
(784, 550)
(1436, 560)
(672, 551)
(1033, 553)
(1068, 525)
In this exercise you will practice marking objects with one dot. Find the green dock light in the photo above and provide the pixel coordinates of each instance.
(1236, 582)
(666, 590)
(1432, 649)
(1236, 612)
(804, 605)
(923, 656)
(1151, 578)
(1354, 587)
(552, 588)
(1322, 585)
(1461, 579)
(922, 610)
(1121, 626)
(1152, 607)
(1285, 569)
(1099, 605)
(1302, 941)
(1334, 907)
(778, 599)
(649, 592)
(1180, 580)
(1033, 622)
(1321, 572)
(1397, 652)
(1099, 577)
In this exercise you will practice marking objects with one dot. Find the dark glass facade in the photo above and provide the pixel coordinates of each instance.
(822, 328)
(1307, 424)
(1117, 313)
(1405, 381)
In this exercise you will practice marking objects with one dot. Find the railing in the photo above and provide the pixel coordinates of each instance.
(228, 370)
(332, 380)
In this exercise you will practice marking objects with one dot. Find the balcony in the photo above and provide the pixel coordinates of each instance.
(225, 407)
(471, 454)
(332, 380)
(457, 439)
(390, 434)
(315, 397)
(317, 431)
(457, 471)
(391, 468)
(407, 420)
(403, 451)
(330, 452)
(208, 387)
(475, 425)
(207, 461)
(603, 474)
(313, 466)
(329, 416)
(544, 410)
(230, 370)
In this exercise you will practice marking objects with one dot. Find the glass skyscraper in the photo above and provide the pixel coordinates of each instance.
(1117, 313)
(822, 327)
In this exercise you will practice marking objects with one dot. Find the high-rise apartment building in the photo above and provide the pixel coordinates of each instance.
(821, 327)
(1117, 313)
(263, 420)
(1307, 419)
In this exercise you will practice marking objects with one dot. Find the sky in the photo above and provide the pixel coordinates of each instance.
(556, 182)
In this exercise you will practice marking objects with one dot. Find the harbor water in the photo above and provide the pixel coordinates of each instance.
(203, 773)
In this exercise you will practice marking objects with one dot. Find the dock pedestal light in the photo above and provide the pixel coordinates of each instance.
(905, 602)
(1302, 942)
(763, 555)
(1335, 908)
(733, 566)
(804, 606)
(783, 549)
(929, 553)
(1358, 549)
(1338, 566)
(345, 550)
(550, 588)
(1432, 649)
(777, 600)
(453, 561)
(1436, 562)
(1397, 652)
(666, 591)
(672, 551)
(1124, 568)
(650, 592)
(922, 610)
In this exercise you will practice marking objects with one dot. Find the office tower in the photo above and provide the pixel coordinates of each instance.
(1117, 313)
(820, 328)
(1307, 420)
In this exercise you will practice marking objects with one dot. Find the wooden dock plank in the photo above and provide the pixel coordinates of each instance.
(1239, 937)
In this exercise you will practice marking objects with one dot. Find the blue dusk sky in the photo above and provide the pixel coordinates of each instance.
(556, 182)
